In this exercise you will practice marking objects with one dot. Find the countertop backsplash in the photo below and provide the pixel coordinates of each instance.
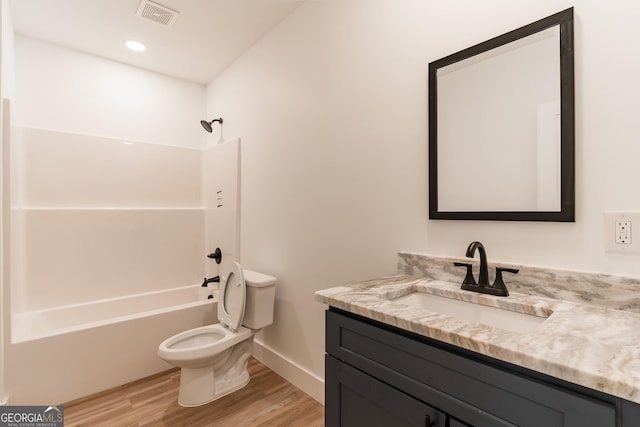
(608, 291)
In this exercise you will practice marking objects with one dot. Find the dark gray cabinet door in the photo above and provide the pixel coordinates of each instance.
(355, 399)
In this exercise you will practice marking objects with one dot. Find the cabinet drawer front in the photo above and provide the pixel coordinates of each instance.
(472, 391)
(359, 400)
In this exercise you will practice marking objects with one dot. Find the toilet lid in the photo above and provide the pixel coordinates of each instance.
(231, 297)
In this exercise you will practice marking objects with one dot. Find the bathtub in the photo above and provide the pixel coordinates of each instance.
(64, 353)
(70, 318)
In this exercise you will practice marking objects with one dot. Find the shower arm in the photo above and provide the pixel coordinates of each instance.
(207, 125)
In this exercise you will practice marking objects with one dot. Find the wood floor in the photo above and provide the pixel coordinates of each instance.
(268, 400)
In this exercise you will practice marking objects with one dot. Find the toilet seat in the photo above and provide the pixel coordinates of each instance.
(193, 346)
(232, 297)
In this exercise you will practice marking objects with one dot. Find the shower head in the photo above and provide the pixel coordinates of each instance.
(207, 125)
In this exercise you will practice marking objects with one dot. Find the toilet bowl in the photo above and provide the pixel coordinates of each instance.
(196, 347)
(213, 359)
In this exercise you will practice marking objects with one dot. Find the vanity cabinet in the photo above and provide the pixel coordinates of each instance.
(379, 375)
(366, 401)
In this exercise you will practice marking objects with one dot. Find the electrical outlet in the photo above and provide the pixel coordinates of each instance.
(618, 232)
(623, 232)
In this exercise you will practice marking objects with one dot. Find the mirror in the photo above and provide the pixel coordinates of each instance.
(501, 127)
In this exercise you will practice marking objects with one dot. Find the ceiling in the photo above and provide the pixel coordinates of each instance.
(206, 36)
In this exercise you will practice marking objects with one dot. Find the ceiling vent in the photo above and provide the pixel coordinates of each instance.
(157, 13)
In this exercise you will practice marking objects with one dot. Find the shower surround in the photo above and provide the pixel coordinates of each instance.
(104, 221)
(97, 218)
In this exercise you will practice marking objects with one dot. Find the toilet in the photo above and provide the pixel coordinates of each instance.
(213, 359)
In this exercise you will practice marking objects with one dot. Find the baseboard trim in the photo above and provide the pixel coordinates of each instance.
(300, 377)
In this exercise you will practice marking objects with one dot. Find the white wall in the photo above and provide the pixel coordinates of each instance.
(7, 54)
(332, 109)
(65, 90)
(6, 92)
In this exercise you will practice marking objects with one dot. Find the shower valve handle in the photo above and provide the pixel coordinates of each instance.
(216, 255)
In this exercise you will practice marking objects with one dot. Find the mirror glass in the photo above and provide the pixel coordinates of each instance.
(501, 127)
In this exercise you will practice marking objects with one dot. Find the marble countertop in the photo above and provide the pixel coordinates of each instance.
(591, 345)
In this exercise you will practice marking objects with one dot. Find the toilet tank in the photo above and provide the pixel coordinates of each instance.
(261, 293)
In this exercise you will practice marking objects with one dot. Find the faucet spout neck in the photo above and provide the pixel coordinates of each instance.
(483, 279)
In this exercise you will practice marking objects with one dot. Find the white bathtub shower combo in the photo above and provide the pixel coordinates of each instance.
(106, 265)
(213, 359)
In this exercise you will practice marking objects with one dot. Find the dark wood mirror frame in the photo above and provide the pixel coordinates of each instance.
(566, 213)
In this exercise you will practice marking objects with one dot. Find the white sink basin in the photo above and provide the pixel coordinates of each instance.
(472, 312)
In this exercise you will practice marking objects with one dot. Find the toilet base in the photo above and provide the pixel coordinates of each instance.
(228, 373)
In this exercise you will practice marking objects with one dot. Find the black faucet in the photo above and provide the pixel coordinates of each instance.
(469, 283)
(206, 281)
(483, 279)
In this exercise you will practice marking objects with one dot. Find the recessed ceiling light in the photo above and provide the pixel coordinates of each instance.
(135, 46)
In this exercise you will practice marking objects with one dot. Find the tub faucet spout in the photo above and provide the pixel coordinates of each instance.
(206, 281)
